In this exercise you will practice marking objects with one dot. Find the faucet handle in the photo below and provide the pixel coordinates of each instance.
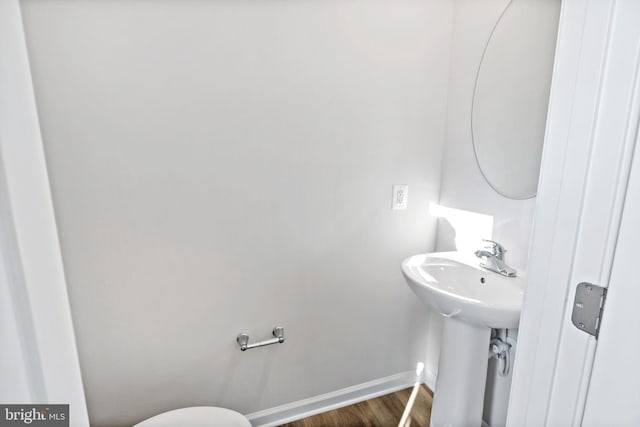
(496, 247)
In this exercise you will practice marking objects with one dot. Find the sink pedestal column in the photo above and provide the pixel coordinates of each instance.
(462, 374)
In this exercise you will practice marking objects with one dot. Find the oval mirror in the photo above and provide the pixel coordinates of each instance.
(511, 96)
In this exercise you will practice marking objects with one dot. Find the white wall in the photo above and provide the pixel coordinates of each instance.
(223, 167)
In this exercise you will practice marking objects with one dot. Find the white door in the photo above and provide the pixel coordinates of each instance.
(586, 224)
(613, 397)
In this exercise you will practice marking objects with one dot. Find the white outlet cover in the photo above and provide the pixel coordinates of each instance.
(399, 197)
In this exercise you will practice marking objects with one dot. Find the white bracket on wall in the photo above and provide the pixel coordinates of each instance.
(587, 307)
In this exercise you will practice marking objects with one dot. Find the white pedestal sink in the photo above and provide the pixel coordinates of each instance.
(473, 300)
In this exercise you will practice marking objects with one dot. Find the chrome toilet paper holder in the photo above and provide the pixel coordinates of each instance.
(243, 339)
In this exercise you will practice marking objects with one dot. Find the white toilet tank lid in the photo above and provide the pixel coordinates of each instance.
(198, 416)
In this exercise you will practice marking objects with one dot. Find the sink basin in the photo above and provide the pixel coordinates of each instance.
(457, 287)
(473, 301)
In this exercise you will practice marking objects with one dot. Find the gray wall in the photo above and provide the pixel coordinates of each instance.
(225, 166)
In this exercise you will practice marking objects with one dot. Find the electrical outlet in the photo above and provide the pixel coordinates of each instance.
(400, 197)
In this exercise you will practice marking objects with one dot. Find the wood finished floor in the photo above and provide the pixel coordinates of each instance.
(383, 411)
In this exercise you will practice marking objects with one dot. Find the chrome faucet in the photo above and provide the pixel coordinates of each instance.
(493, 255)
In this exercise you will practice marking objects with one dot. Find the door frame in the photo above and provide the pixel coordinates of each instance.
(591, 132)
(29, 248)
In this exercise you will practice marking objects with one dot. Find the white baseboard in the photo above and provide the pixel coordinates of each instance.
(336, 399)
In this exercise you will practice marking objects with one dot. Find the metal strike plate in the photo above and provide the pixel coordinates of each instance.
(587, 307)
